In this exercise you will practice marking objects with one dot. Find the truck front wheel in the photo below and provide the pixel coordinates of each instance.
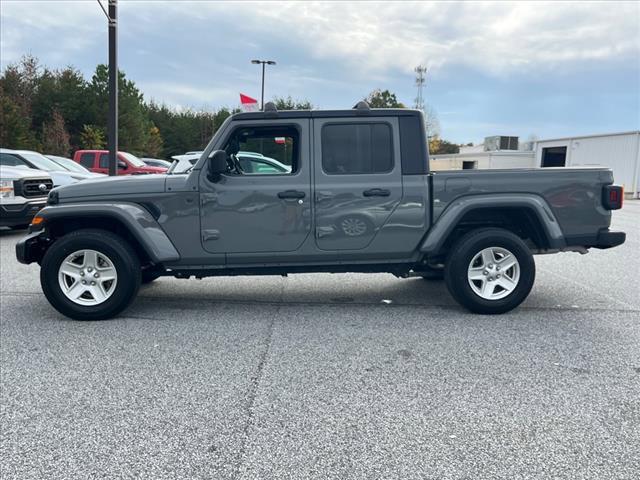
(490, 271)
(90, 274)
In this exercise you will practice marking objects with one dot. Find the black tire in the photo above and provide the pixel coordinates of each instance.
(124, 259)
(460, 257)
(150, 275)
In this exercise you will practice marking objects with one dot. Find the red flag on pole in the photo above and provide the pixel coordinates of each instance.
(248, 104)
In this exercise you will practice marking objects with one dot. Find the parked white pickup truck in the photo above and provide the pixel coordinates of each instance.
(23, 192)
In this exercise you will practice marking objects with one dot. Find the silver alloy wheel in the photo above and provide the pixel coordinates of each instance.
(493, 273)
(353, 227)
(87, 277)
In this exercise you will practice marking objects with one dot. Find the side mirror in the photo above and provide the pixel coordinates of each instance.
(217, 165)
(122, 165)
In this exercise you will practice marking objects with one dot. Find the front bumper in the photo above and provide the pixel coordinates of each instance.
(30, 248)
(12, 215)
(608, 239)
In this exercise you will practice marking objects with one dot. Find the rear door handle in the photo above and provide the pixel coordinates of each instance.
(376, 192)
(291, 194)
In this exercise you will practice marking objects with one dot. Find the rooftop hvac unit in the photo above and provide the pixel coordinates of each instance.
(491, 144)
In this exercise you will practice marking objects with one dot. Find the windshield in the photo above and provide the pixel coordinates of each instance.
(68, 164)
(40, 161)
(132, 159)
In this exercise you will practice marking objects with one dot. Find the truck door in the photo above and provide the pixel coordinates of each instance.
(265, 206)
(358, 179)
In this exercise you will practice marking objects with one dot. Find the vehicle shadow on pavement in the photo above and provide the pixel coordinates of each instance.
(324, 289)
(8, 233)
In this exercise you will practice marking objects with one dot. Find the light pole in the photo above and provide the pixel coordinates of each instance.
(112, 121)
(263, 62)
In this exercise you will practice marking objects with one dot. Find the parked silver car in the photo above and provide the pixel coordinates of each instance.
(72, 166)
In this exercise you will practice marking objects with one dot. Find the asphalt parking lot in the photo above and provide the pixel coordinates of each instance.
(328, 376)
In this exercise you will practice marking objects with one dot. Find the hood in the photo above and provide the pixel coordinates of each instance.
(112, 186)
(86, 176)
(15, 173)
(150, 169)
(65, 177)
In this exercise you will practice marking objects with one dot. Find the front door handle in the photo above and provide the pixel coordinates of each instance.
(291, 194)
(376, 192)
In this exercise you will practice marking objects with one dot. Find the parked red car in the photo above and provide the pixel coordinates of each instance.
(98, 161)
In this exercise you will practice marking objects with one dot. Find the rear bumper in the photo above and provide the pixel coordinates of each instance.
(605, 238)
(19, 214)
(608, 239)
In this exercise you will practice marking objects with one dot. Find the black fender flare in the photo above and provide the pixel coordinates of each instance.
(433, 242)
(135, 218)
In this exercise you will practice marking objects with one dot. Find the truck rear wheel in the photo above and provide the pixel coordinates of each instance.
(90, 274)
(490, 271)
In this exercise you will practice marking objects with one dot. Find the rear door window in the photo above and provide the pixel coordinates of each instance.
(357, 148)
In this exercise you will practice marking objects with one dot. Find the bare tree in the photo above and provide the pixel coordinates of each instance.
(55, 138)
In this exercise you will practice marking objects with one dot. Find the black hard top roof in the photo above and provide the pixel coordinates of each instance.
(373, 112)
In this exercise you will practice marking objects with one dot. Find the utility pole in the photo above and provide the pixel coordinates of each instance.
(112, 121)
(263, 62)
(420, 81)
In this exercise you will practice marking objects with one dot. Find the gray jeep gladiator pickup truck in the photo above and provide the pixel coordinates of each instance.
(316, 191)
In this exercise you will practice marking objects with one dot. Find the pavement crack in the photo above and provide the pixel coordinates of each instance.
(253, 393)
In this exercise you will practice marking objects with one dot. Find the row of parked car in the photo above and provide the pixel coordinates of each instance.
(27, 177)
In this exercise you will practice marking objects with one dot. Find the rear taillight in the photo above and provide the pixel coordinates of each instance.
(612, 197)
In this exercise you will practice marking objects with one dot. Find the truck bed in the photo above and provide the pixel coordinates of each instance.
(574, 195)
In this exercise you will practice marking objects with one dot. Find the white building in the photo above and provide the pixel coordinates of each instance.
(495, 152)
(495, 159)
(618, 151)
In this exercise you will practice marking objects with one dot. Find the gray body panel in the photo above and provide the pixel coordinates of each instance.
(242, 214)
(340, 201)
(119, 185)
(189, 222)
(572, 195)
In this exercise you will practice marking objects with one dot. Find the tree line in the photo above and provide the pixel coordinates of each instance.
(59, 111)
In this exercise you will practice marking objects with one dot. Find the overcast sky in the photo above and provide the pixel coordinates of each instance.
(516, 68)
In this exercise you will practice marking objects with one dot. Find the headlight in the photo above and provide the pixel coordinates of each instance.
(6, 189)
